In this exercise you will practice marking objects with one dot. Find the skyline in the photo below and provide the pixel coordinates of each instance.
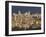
(24, 9)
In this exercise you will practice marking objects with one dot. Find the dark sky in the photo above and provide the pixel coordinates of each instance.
(24, 9)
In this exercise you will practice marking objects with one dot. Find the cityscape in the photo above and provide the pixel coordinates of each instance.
(26, 21)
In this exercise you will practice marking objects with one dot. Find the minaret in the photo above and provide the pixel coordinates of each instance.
(28, 13)
(14, 14)
(19, 12)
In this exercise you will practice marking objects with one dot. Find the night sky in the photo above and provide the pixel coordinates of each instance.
(24, 9)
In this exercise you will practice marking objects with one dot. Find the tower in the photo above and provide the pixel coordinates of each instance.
(19, 12)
